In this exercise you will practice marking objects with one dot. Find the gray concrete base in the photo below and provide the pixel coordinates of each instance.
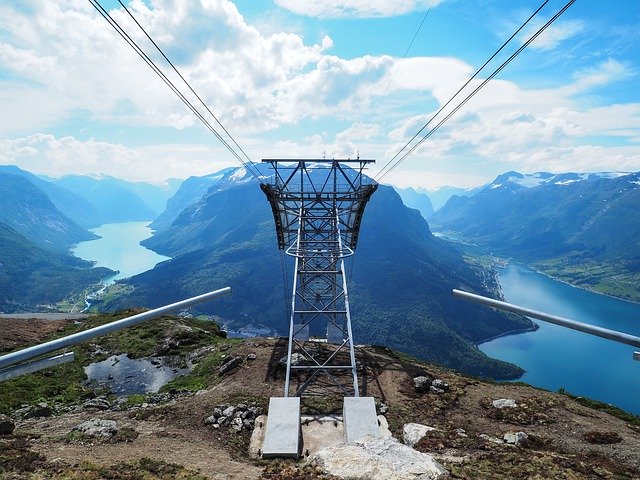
(318, 432)
(282, 435)
(360, 418)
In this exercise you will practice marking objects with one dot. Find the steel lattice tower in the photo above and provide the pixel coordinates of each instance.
(317, 207)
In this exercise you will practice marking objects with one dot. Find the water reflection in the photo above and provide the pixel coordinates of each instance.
(128, 376)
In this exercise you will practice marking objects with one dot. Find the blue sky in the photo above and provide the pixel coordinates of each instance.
(304, 78)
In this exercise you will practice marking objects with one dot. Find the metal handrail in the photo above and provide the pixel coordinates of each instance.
(47, 347)
(614, 335)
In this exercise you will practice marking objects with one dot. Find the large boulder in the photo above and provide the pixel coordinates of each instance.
(377, 458)
(230, 363)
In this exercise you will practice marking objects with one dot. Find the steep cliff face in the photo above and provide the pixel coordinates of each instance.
(27, 210)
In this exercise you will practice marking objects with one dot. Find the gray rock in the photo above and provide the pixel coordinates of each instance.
(6, 425)
(251, 357)
(229, 411)
(217, 412)
(22, 411)
(421, 384)
(255, 411)
(39, 411)
(383, 408)
(412, 433)
(296, 359)
(248, 423)
(504, 403)
(99, 403)
(97, 428)
(377, 458)
(461, 432)
(517, 438)
(435, 390)
(229, 365)
(223, 420)
(241, 406)
(489, 438)
(212, 420)
(236, 424)
(441, 384)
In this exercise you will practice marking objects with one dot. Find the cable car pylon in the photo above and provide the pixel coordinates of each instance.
(317, 205)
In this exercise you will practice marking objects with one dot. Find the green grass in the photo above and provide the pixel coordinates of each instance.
(63, 384)
(604, 407)
(204, 373)
(615, 279)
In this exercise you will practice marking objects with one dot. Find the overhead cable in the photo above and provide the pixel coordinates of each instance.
(186, 82)
(389, 166)
(406, 52)
(132, 43)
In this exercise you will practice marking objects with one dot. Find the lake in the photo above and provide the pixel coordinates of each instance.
(120, 249)
(555, 357)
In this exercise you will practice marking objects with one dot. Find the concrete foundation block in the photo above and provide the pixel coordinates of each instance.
(282, 436)
(360, 418)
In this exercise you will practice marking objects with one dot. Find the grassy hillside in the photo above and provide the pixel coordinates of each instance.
(31, 275)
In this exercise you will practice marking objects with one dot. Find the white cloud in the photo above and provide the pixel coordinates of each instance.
(68, 53)
(555, 34)
(48, 155)
(599, 75)
(355, 8)
(61, 62)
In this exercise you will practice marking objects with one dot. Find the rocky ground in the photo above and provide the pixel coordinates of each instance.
(479, 430)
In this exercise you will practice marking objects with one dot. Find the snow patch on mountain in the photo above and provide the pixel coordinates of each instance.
(532, 180)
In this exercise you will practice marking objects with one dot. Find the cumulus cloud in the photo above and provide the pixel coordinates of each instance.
(61, 62)
(67, 53)
(355, 8)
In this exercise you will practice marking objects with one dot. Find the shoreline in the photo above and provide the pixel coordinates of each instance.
(517, 331)
(586, 289)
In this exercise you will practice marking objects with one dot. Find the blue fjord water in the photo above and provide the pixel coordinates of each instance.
(555, 357)
(119, 249)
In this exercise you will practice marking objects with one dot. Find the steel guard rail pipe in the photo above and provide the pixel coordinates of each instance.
(37, 350)
(564, 322)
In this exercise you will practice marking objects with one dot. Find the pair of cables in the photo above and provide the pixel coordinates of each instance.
(225, 138)
(408, 148)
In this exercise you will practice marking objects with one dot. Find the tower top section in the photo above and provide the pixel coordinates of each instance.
(318, 198)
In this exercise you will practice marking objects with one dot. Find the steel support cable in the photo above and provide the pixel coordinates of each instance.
(167, 81)
(406, 52)
(253, 171)
(381, 173)
(477, 89)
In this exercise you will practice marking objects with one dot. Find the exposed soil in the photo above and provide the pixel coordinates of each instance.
(19, 332)
(566, 439)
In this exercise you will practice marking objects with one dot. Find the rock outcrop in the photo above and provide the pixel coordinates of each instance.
(377, 458)
(97, 428)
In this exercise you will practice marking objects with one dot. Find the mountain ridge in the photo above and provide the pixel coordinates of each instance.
(567, 225)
